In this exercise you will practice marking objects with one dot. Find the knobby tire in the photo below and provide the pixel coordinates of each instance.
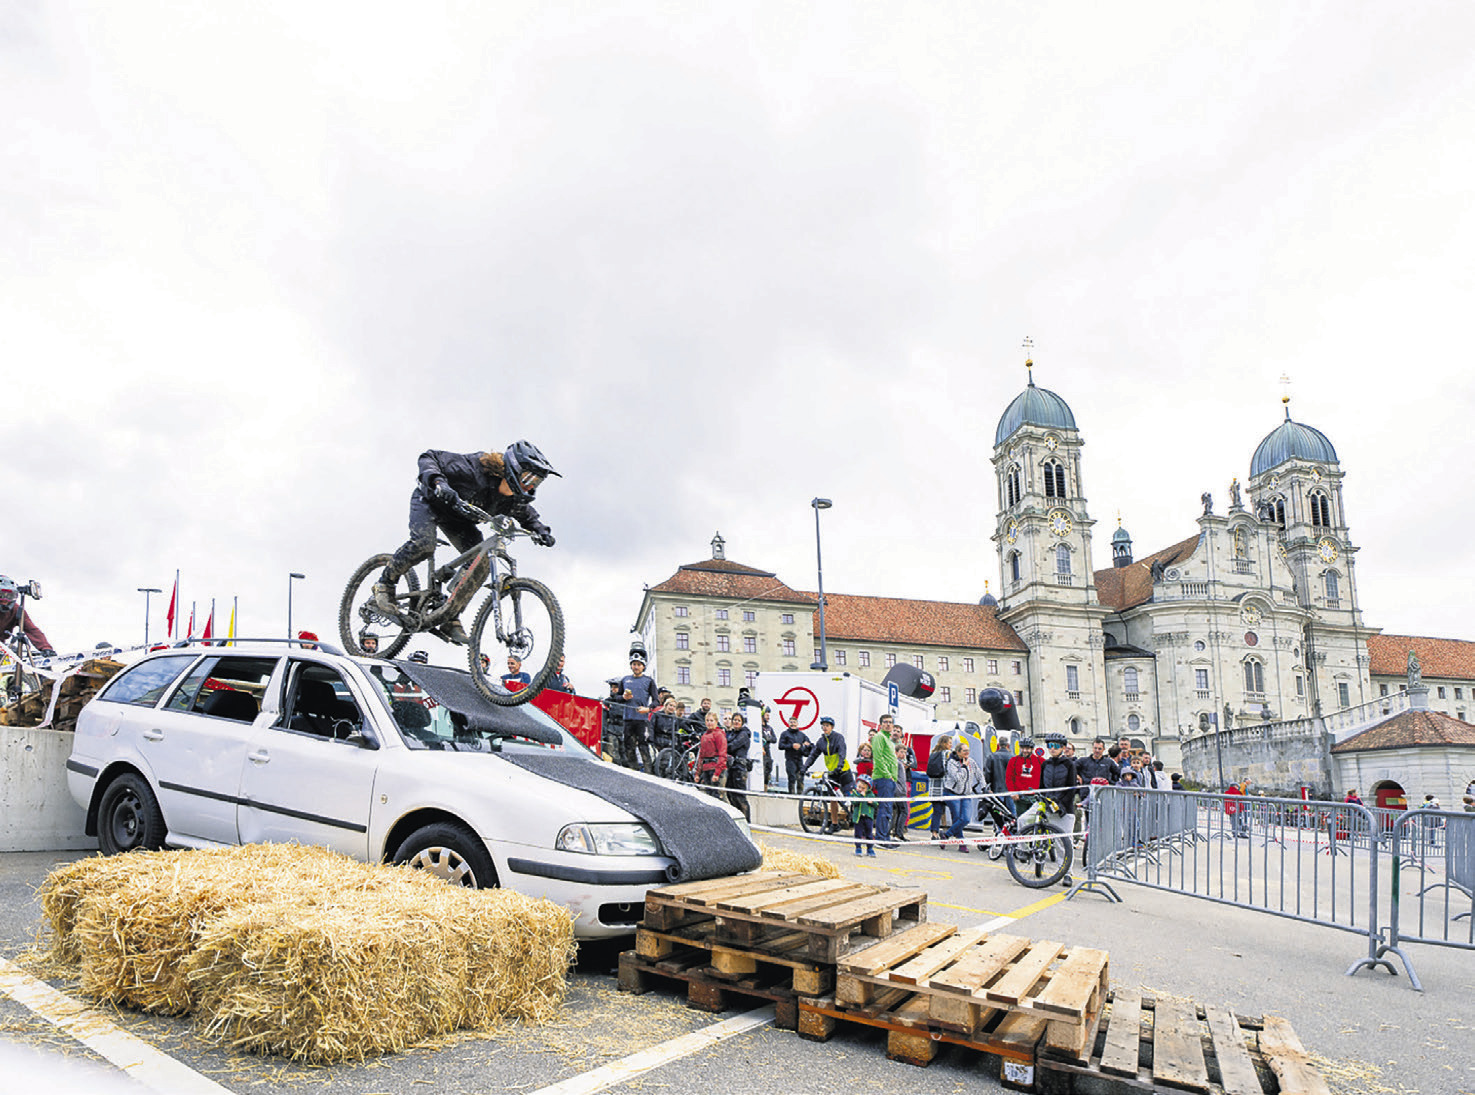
(510, 592)
(358, 595)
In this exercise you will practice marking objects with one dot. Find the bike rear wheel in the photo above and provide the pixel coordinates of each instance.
(1040, 862)
(813, 811)
(358, 613)
(532, 629)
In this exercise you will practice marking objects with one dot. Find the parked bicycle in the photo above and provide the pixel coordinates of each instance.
(679, 762)
(521, 616)
(823, 796)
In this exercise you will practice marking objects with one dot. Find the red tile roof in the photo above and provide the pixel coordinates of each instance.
(1126, 587)
(926, 623)
(1447, 659)
(730, 581)
(1411, 728)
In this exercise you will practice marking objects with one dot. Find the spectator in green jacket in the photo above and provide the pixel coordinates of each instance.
(883, 775)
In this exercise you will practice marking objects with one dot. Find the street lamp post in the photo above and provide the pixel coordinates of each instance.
(290, 577)
(824, 655)
(146, 590)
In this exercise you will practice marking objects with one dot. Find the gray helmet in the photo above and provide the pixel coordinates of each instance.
(420, 658)
(526, 467)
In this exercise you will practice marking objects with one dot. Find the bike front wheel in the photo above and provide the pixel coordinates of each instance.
(522, 618)
(1043, 861)
(358, 614)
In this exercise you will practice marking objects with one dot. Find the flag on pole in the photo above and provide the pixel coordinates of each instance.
(191, 633)
(231, 630)
(173, 600)
(210, 623)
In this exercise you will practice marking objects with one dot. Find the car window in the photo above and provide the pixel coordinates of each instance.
(147, 681)
(318, 702)
(214, 676)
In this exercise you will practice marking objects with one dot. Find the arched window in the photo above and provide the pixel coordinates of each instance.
(1062, 559)
(1012, 493)
(1014, 566)
(1075, 728)
(1054, 479)
(1321, 509)
(1280, 512)
(1129, 679)
(1332, 589)
(1254, 676)
(1134, 723)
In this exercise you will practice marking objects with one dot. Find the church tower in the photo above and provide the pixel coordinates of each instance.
(1296, 489)
(1043, 537)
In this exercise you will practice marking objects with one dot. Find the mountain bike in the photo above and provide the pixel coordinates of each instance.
(1044, 860)
(520, 616)
(679, 762)
(814, 806)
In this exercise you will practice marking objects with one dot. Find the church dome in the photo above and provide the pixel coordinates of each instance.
(1291, 441)
(988, 600)
(1121, 536)
(1034, 407)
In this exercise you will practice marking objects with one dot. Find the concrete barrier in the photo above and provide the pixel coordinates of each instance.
(37, 813)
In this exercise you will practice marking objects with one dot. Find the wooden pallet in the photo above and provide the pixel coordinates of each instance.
(706, 988)
(788, 954)
(966, 976)
(1172, 1045)
(759, 912)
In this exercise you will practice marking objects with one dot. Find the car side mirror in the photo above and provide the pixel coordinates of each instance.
(361, 740)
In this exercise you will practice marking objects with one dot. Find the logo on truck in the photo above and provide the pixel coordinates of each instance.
(795, 703)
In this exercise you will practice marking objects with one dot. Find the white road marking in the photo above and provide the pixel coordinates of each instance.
(133, 1056)
(627, 1068)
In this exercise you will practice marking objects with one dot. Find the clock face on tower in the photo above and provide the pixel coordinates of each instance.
(1327, 550)
(1275, 482)
(1060, 524)
(1052, 442)
(1011, 531)
(1316, 474)
(1251, 616)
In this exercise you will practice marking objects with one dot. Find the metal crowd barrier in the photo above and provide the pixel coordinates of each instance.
(1442, 901)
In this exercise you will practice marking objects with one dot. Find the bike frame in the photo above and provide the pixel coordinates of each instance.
(494, 549)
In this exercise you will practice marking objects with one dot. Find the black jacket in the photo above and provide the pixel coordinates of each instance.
(793, 744)
(474, 483)
(1090, 768)
(1057, 772)
(737, 745)
(995, 771)
(663, 727)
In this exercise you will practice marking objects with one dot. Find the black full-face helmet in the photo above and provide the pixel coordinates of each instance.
(526, 467)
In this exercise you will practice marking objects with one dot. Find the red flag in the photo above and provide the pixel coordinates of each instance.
(191, 633)
(210, 624)
(173, 597)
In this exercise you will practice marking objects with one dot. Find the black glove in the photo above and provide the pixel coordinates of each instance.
(542, 535)
(46, 652)
(441, 491)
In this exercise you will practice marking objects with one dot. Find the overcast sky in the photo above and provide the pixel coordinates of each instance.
(258, 257)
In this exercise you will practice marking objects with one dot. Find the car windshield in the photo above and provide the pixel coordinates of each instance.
(424, 722)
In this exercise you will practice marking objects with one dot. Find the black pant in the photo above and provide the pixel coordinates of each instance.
(637, 748)
(794, 766)
(424, 519)
(737, 777)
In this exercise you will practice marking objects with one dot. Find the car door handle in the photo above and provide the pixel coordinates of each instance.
(152, 735)
(261, 756)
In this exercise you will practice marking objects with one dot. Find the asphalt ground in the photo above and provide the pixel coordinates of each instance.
(1372, 1031)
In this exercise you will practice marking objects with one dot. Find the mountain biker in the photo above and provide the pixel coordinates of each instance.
(12, 616)
(498, 482)
(1057, 792)
(831, 746)
(1022, 773)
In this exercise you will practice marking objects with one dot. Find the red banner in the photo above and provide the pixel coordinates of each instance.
(581, 717)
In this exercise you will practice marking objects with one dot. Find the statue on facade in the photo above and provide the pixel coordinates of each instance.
(1157, 568)
(1208, 500)
(1234, 502)
(1415, 671)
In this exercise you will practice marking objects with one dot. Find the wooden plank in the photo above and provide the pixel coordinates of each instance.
(733, 963)
(920, 969)
(979, 965)
(653, 946)
(898, 948)
(844, 916)
(1123, 1048)
(1177, 1048)
(1286, 1056)
(1017, 1035)
(810, 887)
(1073, 983)
(914, 1043)
(1237, 1073)
(681, 890)
(1014, 986)
(734, 888)
(790, 911)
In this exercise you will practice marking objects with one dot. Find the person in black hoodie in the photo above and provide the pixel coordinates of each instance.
(739, 738)
(794, 745)
(1059, 784)
(1098, 764)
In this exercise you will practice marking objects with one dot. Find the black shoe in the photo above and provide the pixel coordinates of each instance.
(964, 848)
(826, 829)
(1067, 881)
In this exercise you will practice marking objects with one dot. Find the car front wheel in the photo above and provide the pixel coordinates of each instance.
(450, 852)
(128, 817)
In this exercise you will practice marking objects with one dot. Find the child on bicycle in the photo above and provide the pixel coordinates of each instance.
(1059, 784)
(498, 482)
(863, 814)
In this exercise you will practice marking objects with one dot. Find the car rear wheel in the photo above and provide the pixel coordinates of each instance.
(128, 817)
(451, 852)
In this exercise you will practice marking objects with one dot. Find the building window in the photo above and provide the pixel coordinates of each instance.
(1054, 479)
(1301, 686)
(750, 644)
(748, 616)
(787, 617)
(683, 674)
(1441, 691)
(1072, 678)
(683, 640)
(942, 663)
(681, 610)
(992, 665)
(864, 657)
(1321, 509)
(816, 654)
(839, 656)
(1382, 688)
(947, 695)
(724, 644)
(1332, 591)
(1129, 679)
(917, 660)
(750, 676)
(1280, 512)
(1017, 666)
(788, 648)
(1459, 693)
(890, 660)
(1134, 723)
(1012, 493)
(1062, 559)
(967, 665)
(1344, 694)
(1074, 728)
(1201, 679)
(724, 678)
(1019, 699)
(722, 613)
(1014, 566)
(1254, 676)
(970, 695)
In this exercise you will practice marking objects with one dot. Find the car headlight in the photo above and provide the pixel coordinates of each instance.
(625, 838)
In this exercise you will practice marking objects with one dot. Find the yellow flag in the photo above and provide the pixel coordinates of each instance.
(231, 631)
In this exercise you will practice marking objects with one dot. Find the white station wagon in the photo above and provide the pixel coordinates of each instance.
(210, 745)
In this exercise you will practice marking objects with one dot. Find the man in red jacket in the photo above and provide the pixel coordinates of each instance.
(1023, 773)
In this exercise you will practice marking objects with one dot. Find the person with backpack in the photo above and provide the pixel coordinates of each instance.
(936, 772)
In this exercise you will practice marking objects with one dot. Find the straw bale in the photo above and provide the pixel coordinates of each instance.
(779, 859)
